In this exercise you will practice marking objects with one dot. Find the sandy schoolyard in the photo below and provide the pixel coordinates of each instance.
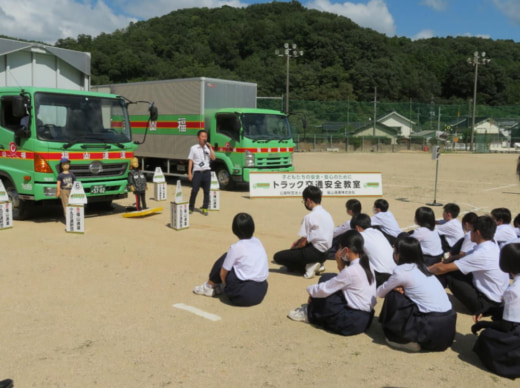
(97, 310)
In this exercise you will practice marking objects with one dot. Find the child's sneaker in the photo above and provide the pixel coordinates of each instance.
(311, 270)
(204, 289)
(299, 314)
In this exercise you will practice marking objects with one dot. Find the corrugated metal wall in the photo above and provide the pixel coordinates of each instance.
(27, 64)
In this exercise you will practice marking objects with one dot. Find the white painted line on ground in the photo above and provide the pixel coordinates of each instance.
(473, 208)
(501, 187)
(196, 311)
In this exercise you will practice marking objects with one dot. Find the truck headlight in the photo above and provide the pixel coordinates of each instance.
(49, 191)
(250, 159)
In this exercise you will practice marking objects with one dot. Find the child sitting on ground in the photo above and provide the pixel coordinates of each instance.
(242, 272)
(450, 228)
(498, 346)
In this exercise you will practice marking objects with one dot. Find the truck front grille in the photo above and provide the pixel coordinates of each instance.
(272, 161)
(107, 170)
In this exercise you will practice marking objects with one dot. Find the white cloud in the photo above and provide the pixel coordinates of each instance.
(438, 5)
(510, 8)
(49, 21)
(374, 14)
(424, 34)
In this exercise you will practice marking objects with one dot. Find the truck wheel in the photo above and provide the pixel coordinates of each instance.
(224, 178)
(20, 207)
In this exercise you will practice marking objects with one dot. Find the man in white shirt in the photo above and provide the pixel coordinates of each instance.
(310, 251)
(476, 279)
(199, 170)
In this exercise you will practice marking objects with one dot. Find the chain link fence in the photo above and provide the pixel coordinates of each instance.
(332, 126)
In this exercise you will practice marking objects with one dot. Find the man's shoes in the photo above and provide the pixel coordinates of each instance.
(204, 289)
(7, 383)
(299, 314)
(191, 211)
(311, 269)
(412, 347)
(204, 211)
(321, 269)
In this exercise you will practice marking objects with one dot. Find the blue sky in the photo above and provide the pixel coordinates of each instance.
(49, 21)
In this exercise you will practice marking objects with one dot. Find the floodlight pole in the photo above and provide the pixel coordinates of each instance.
(478, 59)
(289, 51)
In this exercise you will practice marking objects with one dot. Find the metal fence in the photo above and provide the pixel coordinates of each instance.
(308, 119)
(338, 143)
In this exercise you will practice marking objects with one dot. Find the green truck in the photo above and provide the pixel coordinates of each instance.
(39, 126)
(245, 138)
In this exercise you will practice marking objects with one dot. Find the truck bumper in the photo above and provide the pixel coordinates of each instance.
(115, 189)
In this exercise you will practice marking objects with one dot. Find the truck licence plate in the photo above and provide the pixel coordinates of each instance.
(97, 189)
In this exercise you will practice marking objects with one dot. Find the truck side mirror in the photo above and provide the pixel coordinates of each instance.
(19, 106)
(154, 112)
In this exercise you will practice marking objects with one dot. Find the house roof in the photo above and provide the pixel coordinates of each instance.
(425, 133)
(77, 59)
(381, 127)
(394, 113)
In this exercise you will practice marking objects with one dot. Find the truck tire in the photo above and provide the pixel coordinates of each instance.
(20, 207)
(224, 178)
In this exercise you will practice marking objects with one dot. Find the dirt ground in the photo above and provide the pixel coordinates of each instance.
(97, 309)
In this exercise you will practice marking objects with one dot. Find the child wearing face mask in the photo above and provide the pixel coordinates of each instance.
(343, 303)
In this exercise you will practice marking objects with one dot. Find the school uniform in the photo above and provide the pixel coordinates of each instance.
(451, 233)
(246, 281)
(380, 254)
(431, 244)
(423, 314)
(504, 234)
(317, 227)
(467, 245)
(479, 284)
(343, 303)
(336, 236)
(498, 346)
(201, 158)
(386, 222)
(339, 230)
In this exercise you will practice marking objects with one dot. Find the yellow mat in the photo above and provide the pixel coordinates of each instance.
(142, 213)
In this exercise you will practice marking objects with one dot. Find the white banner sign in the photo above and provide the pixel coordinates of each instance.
(332, 184)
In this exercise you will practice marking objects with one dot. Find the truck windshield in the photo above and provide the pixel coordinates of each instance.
(81, 119)
(265, 126)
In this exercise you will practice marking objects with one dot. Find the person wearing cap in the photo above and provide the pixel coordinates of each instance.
(64, 184)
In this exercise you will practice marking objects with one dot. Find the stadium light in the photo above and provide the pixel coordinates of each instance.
(289, 51)
(478, 59)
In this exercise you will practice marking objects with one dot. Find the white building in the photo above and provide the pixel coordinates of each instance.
(37, 64)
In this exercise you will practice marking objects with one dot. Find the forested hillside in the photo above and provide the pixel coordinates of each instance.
(341, 60)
